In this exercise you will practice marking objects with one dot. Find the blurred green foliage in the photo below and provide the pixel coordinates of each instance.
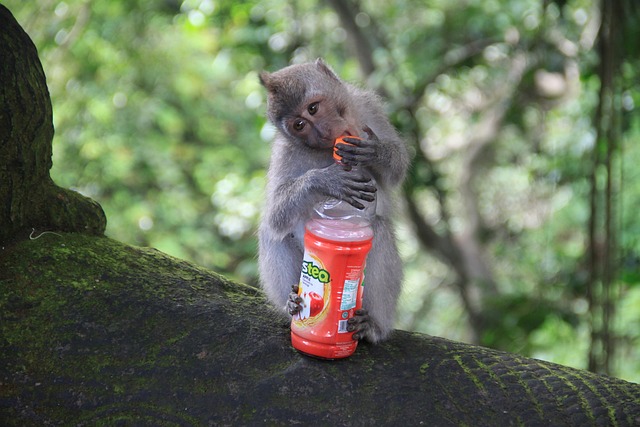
(159, 116)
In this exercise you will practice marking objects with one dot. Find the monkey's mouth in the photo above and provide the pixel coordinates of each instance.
(323, 143)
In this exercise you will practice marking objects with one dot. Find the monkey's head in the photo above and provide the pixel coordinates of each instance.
(309, 103)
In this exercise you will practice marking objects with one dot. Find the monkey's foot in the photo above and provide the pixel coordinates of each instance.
(365, 327)
(294, 303)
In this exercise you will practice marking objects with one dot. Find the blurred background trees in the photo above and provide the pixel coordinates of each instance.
(519, 227)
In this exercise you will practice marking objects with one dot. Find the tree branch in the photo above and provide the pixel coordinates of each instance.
(362, 47)
(451, 59)
(101, 333)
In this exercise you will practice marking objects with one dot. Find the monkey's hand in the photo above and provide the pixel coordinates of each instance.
(294, 303)
(349, 185)
(364, 327)
(358, 151)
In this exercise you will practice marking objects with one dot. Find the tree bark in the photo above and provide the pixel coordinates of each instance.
(28, 197)
(95, 332)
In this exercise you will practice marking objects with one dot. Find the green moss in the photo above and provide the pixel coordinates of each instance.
(492, 375)
(469, 372)
(424, 368)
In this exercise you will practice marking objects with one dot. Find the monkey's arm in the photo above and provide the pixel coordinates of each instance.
(290, 199)
(383, 152)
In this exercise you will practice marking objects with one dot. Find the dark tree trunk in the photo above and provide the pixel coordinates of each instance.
(28, 197)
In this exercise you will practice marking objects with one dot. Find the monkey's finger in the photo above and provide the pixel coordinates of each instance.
(357, 177)
(371, 133)
(356, 201)
(350, 142)
(367, 197)
(358, 182)
(361, 191)
(364, 148)
(357, 155)
(353, 202)
(362, 185)
(356, 204)
(365, 192)
(358, 336)
(361, 316)
(343, 171)
(359, 142)
(293, 308)
(349, 159)
(360, 323)
(362, 142)
(347, 156)
(294, 303)
(295, 298)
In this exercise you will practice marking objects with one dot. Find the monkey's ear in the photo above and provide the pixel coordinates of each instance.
(326, 69)
(320, 63)
(266, 80)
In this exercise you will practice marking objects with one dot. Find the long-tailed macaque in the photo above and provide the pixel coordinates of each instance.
(310, 106)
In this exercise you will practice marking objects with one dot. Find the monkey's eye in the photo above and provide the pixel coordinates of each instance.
(313, 108)
(298, 125)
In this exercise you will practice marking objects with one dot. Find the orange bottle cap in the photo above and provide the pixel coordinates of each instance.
(341, 140)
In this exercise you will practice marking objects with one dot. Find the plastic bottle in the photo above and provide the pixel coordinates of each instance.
(337, 240)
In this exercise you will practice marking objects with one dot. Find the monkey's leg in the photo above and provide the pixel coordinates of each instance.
(280, 262)
(382, 282)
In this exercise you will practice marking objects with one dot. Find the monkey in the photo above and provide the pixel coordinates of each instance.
(310, 106)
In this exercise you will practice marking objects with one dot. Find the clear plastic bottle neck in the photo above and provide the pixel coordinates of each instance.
(336, 219)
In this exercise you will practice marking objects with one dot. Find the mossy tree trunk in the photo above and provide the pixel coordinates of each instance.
(28, 197)
(95, 332)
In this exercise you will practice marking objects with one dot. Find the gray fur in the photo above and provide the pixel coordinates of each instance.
(303, 172)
